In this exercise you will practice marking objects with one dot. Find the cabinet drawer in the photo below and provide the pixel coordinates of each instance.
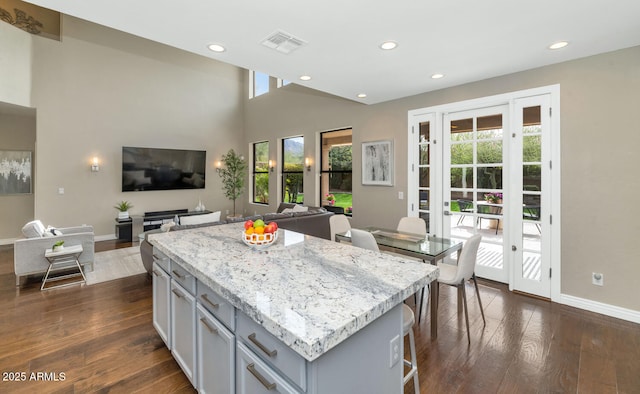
(272, 350)
(217, 305)
(256, 377)
(162, 260)
(216, 355)
(183, 277)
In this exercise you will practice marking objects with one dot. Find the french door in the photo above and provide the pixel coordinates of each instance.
(476, 193)
(486, 169)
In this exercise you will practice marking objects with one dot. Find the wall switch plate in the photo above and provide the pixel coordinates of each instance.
(400, 195)
(394, 351)
(61, 190)
(597, 279)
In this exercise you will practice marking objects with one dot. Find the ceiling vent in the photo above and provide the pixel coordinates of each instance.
(283, 42)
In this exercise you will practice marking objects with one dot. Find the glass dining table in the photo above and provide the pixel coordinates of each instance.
(429, 249)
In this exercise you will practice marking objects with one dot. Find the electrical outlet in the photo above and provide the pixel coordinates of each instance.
(597, 279)
(394, 351)
(400, 195)
(227, 211)
(61, 190)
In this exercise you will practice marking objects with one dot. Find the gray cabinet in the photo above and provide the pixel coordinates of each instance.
(253, 376)
(216, 355)
(162, 303)
(183, 329)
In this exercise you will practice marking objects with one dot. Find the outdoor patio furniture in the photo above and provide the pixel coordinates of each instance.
(465, 206)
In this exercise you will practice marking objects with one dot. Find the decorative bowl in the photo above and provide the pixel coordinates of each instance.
(259, 241)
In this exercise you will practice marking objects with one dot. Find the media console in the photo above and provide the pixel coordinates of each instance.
(129, 229)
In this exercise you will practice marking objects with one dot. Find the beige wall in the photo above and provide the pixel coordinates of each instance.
(98, 90)
(599, 97)
(17, 132)
(15, 64)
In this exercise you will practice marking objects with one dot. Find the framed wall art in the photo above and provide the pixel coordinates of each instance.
(15, 172)
(377, 163)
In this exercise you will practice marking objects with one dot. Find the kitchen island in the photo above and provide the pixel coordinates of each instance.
(304, 315)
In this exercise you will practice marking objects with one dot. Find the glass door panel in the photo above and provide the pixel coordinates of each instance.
(531, 267)
(474, 157)
(424, 171)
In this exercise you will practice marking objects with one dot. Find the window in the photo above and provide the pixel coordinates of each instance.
(336, 164)
(259, 84)
(292, 170)
(282, 82)
(261, 172)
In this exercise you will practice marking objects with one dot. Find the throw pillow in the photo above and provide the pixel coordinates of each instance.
(300, 208)
(52, 231)
(33, 229)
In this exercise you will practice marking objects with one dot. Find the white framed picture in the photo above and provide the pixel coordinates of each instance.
(377, 163)
(15, 172)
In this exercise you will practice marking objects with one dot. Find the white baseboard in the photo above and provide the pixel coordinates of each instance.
(7, 241)
(107, 237)
(599, 307)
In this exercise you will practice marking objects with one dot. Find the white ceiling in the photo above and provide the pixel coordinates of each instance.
(467, 40)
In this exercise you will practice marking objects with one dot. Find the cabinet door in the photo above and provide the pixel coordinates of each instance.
(216, 355)
(161, 303)
(255, 377)
(183, 330)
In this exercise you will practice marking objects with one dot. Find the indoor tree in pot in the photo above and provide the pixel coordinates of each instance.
(233, 176)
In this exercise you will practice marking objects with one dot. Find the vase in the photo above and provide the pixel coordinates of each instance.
(123, 215)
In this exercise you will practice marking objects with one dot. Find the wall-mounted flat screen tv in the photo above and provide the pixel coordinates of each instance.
(146, 169)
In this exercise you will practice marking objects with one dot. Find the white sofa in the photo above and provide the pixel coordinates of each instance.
(28, 253)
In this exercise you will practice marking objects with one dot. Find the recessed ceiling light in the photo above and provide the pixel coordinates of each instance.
(437, 76)
(388, 45)
(558, 45)
(216, 48)
(362, 95)
(305, 78)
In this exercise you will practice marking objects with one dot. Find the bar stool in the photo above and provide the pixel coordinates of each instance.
(408, 320)
(364, 239)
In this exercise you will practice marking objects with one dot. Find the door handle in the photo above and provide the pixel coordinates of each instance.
(514, 248)
(447, 213)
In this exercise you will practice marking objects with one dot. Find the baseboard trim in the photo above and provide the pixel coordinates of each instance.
(599, 307)
(107, 237)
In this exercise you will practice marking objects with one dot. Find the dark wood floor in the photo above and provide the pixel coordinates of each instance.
(101, 337)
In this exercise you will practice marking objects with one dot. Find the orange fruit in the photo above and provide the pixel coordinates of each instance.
(260, 237)
(258, 230)
(249, 231)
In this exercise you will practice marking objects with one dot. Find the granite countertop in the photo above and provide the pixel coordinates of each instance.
(308, 292)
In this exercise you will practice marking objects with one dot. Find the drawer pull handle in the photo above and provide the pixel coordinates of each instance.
(270, 353)
(206, 298)
(212, 330)
(269, 386)
(179, 294)
(177, 274)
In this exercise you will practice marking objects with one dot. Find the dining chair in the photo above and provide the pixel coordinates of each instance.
(338, 224)
(458, 275)
(364, 239)
(414, 225)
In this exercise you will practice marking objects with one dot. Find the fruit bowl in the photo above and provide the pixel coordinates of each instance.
(259, 241)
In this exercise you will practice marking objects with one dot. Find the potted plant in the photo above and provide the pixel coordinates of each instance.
(233, 176)
(58, 246)
(123, 209)
(331, 199)
(493, 198)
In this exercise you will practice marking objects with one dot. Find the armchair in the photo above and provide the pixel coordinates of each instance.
(28, 253)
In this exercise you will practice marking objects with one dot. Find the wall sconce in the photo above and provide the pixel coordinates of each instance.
(307, 163)
(218, 166)
(95, 165)
(271, 165)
